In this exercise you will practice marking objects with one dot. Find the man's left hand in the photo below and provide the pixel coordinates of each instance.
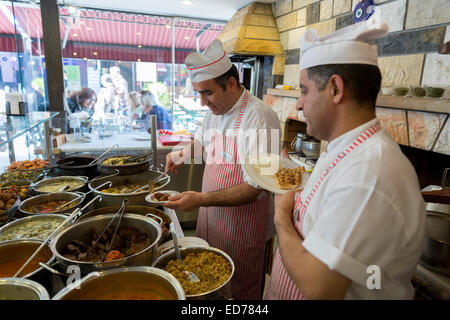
(185, 201)
(284, 205)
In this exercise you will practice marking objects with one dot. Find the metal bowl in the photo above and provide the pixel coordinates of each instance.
(17, 223)
(60, 180)
(82, 229)
(22, 289)
(222, 292)
(138, 198)
(21, 250)
(126, 169)
(436, 253)
(26, 206)
(311, 149)
(134, 283)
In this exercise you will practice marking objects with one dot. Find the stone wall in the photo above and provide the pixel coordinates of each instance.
(408, 55)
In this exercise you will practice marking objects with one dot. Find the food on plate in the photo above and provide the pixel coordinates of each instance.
(289, 178)
(120, 161)
(126, 242)
(161, 196)
(34, 229)
(212, 269)
(28, 164)
(265, 165)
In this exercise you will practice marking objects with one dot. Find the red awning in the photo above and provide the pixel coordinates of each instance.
(111, 35)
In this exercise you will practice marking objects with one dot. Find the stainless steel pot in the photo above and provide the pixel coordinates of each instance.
(22, 250)
(22, 289)
(26, 206)
(220, 293)
(17, 223)
(60, 181)
(125, 283)
(436, 253)
(82, 231)
(311, 149)
(137, 198)
(127, 169)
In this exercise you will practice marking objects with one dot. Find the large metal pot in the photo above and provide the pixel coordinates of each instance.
(22, 223)
(76, 166)
(61, 181)
(22, 289)
(126, 169)
(222, 292)
(141, 210)
(134, 283)
(20, 251)
(137, 198)
(311, 148)
(26, 206)
(436, 253)
(82, 231)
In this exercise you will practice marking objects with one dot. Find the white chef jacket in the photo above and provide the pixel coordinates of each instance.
(260, 130)
(368, 211)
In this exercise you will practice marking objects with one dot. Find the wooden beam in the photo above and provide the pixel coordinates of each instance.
(53, 56)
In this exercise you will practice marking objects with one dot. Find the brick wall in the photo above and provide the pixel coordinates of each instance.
(408, 55)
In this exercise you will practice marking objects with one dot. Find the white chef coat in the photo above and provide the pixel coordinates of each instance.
(368, 211)
(260, 130)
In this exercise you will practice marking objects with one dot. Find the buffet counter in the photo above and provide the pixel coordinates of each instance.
(125, 140)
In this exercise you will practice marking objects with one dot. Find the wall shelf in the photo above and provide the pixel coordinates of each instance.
(425, 104)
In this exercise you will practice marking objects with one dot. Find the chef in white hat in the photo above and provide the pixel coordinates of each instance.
(235, 215)
(356, 230)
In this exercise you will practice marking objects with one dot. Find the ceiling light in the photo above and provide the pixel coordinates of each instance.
(95, 53)
(139, 46)
(85, 58)
(139, 60)
(186, 2)
(74, 53)
(187, 38)
(138, 33)
(168, 26)
(75, 35)
(88, 28)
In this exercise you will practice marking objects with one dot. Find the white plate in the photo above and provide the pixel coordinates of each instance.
(183, 242)
(154, 202)
(266, 176)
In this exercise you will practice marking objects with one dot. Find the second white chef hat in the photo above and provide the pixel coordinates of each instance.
(351, 45)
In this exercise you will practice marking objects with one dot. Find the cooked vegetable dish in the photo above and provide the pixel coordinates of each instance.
(212, 269)
(120, 161)
(127, 188)
(57, 185)
(51, 206)
(39, 229)
(28, 164)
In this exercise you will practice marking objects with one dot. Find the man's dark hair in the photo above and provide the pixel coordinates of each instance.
(363, 81)
(223, 79)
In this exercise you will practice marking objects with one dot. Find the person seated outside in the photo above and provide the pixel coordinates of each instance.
(151, 107)
(83, 100)
(134, 108)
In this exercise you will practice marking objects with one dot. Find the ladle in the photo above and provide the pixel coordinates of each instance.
(191, 276)
(84, 195)
(70, 217)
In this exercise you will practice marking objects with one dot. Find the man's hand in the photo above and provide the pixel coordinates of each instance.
(186, 201)
(174, 160)
(284, 204)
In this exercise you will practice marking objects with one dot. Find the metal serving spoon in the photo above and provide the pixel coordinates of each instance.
(191, 276)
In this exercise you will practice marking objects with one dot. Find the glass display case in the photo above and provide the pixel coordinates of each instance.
(25, 137)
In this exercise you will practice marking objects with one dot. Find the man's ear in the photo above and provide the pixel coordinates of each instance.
(337, 87)
(232, 83)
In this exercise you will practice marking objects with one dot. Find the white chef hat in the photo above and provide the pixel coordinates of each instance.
(351, 45)
(210, 64)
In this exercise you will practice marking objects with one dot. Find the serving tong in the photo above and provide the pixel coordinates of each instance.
(151, 183)
(108, 150)
(118, 213)
(133, 158)
(83, 195)
(73, 215)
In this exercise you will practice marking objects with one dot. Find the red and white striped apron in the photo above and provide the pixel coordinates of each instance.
(280, 286)
(240, 231)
